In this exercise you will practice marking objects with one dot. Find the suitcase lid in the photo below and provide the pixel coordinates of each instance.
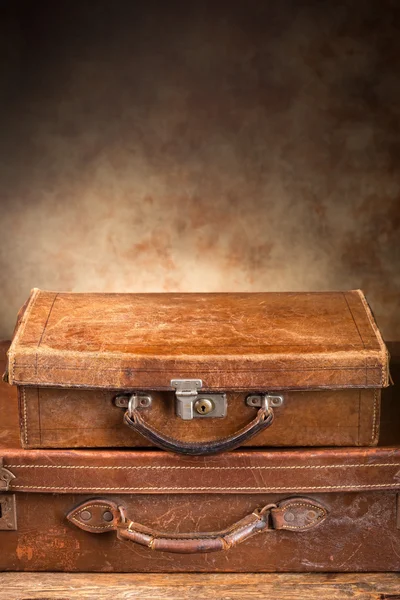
(239, 472)
(244, 341)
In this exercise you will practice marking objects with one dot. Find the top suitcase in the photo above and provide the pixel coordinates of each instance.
(197, 373)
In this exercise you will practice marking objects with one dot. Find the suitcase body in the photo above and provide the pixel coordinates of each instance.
(198, 373)
(244, 511)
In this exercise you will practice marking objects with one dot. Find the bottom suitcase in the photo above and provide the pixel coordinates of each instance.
(324, 510)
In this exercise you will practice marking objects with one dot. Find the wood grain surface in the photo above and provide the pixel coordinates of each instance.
(60, 586)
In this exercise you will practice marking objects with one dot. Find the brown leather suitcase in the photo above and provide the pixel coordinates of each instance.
(198, 373)
(141, 511)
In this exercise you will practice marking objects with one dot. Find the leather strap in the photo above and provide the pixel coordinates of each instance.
(136, 422)
(296, 514)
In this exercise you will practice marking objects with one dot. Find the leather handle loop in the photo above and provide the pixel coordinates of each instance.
(194, 543)
(100, 515)
(136, 422)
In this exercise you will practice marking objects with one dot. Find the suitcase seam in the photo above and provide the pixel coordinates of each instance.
(337, 466)
(25, 415)
(183, 489)
(374, 416)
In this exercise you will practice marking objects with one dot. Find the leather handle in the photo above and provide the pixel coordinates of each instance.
(295, 514)
(135, 421)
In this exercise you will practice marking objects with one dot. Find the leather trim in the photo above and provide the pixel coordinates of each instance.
(239, 471)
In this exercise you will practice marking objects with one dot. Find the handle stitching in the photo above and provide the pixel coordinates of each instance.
(93, 526)
(318, 508)
(283, 508)
(86, 507)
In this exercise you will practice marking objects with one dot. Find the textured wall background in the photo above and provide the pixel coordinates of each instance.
(200, 146)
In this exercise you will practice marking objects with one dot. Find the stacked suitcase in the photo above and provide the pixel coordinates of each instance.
(199, 432)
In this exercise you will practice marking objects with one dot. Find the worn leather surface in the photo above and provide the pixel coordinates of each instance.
(66, 418)
(358, 488)
(230, 341)
(157, 472)
(101, 515)
(359, 534)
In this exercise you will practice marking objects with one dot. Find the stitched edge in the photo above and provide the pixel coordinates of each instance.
(374, 419)
(12, 350)
(25, 415)
(210, 372)
(92, 526)
(169, 467)
(284, 508)
(382, 345)
(320, 511)
(109, 526)
(183, 489)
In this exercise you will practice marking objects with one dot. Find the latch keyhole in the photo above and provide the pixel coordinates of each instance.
(203, 406)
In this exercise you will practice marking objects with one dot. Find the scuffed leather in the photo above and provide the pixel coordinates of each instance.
(295, 514)
(239, 472)
(64, 418)
(230, 341)
(171, 493)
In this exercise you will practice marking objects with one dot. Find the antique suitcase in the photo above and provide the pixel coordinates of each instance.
(150, 511)
(197, 373)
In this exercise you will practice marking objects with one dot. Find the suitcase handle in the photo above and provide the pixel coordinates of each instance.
(135, 421)
(101, 515)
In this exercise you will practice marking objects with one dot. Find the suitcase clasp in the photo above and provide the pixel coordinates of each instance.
(5, 477)
(192, 404)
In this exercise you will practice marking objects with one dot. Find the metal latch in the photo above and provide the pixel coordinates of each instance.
(5, 477)
(192, 404)
(8, 514)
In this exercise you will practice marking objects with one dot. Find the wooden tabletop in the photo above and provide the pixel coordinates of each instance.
(60, 586)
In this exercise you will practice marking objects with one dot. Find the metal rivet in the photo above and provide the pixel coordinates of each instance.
(108, 516)
(276, 401)
(86, 515)
(289, 517)
(311, 514)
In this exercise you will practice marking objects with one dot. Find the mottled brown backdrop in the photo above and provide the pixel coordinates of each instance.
(200, 146)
